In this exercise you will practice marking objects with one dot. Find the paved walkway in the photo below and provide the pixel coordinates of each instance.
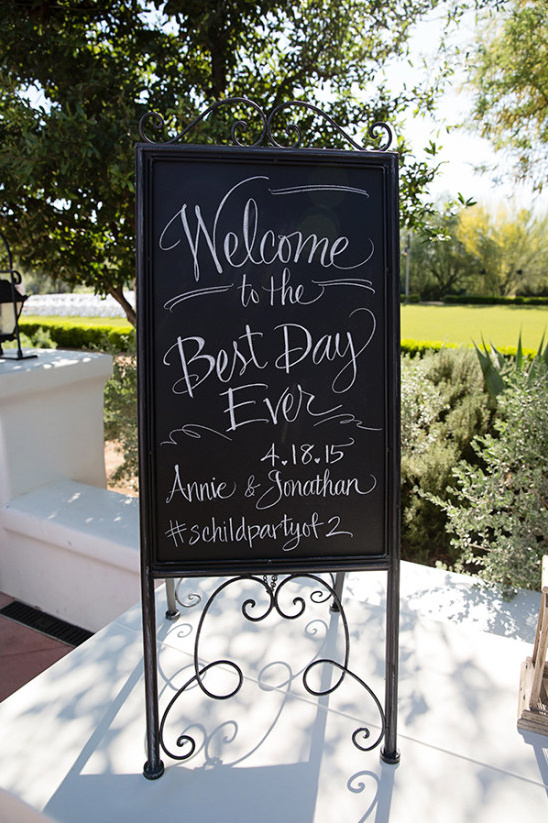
(24, 653)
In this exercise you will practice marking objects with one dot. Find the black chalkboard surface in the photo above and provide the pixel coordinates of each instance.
(268, 304)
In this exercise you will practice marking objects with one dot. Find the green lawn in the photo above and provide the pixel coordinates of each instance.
(500, 325)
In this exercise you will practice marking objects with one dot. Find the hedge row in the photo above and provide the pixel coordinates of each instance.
(421, 347)
(476, 299)
(68, 334)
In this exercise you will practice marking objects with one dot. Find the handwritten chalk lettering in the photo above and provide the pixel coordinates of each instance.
(194, 430)
(172, 229)
(334, 530)
(292, 403)
(189, 354)
(176, 532)
(307, 453)
(247, 293)
(234, 530)
(322, 485)
(230, 530)
(170, 304)
(296, 531)
(240, 530)
(283, 293)
(195, 491)
(253, 242)
(251, 486)
(280, 289)
(282, 248)
(299, 344)
(319, 187)
(348, 419)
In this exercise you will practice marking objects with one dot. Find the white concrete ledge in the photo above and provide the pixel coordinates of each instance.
(82, 519)
(69, 546)
(73, 550)
(51, 420)
(52, 369)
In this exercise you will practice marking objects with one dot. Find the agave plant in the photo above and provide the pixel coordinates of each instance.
(498, 368)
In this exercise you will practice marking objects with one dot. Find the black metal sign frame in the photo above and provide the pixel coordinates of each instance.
(268, 350)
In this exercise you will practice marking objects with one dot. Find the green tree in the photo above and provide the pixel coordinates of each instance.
(510, 76)
(439, 261)
(509, 249)
(76, 76)
(480, 250)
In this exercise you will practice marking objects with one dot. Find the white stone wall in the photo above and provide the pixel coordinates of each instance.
(67, 544)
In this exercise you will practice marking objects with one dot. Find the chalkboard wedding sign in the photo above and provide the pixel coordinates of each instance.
(268, 346)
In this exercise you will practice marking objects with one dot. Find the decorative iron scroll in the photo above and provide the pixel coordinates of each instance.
(266, 122)
(187, 601)
(273, 589)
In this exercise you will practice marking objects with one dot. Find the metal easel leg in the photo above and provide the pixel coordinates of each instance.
(172, 612)
(389, 752)
(339, 584)
(154, 768)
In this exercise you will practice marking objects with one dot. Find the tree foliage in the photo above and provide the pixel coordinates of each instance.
(510, 76)
(440, 262)
(509, 249)
(76, 76)
(481, 251)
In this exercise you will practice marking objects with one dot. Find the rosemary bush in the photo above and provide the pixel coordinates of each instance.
(498, 517)
(444, 406)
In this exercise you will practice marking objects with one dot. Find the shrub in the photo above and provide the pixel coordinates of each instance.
(491, 300)
(121, 416)
(444, 406)
(421, 347)
(81, 334)
(39, 339)
(498, 517)
(497, 366)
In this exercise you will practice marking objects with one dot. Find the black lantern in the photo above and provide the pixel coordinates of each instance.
(11, 305)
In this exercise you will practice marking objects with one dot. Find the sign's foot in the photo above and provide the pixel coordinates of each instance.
(153, 772)
(393, 758)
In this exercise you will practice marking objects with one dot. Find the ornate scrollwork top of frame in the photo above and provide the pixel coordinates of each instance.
(266, 137)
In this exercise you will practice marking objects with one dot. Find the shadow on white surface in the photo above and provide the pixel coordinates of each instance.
(264, 755)
(74, 739)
